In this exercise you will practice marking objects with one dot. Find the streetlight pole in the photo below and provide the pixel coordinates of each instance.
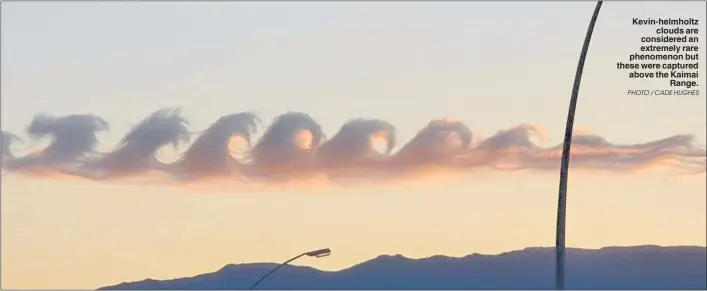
(315, 254)
(564, 168)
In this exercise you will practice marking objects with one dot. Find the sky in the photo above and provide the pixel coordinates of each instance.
(490, 65)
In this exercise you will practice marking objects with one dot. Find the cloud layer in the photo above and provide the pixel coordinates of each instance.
(294, 146)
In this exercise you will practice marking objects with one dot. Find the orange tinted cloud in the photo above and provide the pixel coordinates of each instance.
(294, 152)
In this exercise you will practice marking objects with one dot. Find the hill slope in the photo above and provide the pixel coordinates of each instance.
(640, 267)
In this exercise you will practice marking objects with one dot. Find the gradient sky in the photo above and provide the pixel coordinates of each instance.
(490, 65)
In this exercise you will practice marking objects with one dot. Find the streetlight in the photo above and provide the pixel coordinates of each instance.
(564, 167)
(315, 254)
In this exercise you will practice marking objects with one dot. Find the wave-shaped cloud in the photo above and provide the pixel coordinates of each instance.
(287, 148)
(294, 145)
(73, 141)
(210, 153)
(137, 150)
(438, 142)
(7, 139)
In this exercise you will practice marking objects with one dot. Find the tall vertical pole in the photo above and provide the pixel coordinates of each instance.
(564, 168)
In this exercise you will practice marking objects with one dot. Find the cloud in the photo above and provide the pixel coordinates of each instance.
(7, 140)
(596, 152)
(287, 148)
(438, 142)
(137, 150)
(294, 151)
(352, 148)
(210, 154)
(72, 141)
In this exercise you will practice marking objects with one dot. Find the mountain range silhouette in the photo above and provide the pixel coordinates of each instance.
(638, 267)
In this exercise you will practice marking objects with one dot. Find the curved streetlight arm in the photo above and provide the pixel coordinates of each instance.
(275, 269)
(564, 167)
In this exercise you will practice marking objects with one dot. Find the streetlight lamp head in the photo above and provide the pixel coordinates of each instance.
(319, 253)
